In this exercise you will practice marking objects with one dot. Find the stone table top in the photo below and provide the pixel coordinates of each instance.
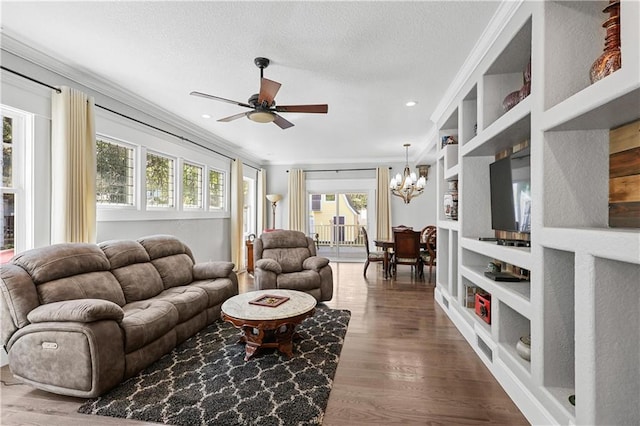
(239, 306)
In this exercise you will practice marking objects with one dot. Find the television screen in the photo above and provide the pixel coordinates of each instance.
(510, 184)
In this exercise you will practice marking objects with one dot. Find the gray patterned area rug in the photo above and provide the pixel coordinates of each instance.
(205, 380)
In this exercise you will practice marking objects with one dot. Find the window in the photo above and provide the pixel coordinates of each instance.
(330, 197)
(8, 191)
(114, 174)
(216, 190)
(160, 180)
(16, 164)
(191, 186)
(316, 202)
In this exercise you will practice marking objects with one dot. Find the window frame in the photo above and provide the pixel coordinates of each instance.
(149, 141)
(203, 186)
(136, 182)
(22, 174)
(174, 182)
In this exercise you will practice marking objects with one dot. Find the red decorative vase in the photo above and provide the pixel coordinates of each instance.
(611, 59)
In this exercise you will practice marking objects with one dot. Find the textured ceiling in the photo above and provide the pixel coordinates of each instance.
(364, 59)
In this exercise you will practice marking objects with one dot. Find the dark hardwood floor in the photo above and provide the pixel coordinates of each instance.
(403, 362)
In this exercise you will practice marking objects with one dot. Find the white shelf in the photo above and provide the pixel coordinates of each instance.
(519, 256)
(512, 128)
(515, 294)
(607, 104)
(454, 225)
(452, 173)
(520, 366)
(609, 243)
(582, 300)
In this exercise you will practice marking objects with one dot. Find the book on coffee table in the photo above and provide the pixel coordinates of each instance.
(269, 300)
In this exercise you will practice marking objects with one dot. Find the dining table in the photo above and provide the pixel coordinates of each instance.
(387, 245)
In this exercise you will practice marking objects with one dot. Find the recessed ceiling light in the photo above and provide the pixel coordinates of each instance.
(206, 116)
(411, 103)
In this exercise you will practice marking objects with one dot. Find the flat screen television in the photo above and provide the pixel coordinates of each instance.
(510, 185)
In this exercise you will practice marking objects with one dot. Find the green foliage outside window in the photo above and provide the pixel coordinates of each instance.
(114, 174)
(191, 186)
(159, 174)
(7, 151)
(216, 190)
(357, 201)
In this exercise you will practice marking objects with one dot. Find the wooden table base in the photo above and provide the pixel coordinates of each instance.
(277, 333)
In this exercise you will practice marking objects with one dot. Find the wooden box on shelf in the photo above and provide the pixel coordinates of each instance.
(624, 176)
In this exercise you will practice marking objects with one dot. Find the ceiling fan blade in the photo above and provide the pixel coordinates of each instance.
(217, 98)
(233, 117)
(268, 90)
(282, 123)
(317, 109)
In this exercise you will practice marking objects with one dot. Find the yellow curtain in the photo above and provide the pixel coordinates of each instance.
(262, 205)
(383, 204)
(297, 200)
(237, 210)
(73, 167)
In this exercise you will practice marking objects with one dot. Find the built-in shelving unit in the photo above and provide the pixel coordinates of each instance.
(581, 305)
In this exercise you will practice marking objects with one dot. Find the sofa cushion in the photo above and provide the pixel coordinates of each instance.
(80, 310)
(302, 281)
(92, 285)
(188, 300)
(19, 294)
(175, 270)
(280, 239)
(124, 252)
(146, 321)
(164, 245)
(61, 260)
(139, 281)
(218, 290)
(207, 270)
(290, 259)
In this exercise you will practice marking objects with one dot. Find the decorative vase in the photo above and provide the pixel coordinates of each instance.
(511, 100)
(523, 347)
(525, 90)
(611, 59)
(451, 201)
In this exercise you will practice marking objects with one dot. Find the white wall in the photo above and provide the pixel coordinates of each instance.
(420, 212)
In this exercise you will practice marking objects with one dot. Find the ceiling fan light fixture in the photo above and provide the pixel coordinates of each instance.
(261, 116)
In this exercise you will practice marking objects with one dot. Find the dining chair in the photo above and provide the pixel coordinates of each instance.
(424, 232)
(372, 256)
(406, 250)
(428, 255)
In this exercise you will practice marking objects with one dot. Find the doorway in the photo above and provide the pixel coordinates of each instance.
(335, 220)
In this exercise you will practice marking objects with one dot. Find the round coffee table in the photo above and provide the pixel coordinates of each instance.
(272, 321)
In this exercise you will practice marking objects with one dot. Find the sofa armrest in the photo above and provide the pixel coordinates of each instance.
(269, 265)
(78, 310)
(315, 263)
(213, 269)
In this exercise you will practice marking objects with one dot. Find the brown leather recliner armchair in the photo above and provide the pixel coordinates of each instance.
(287, 260)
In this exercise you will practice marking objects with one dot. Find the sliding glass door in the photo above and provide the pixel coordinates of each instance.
(334, 222)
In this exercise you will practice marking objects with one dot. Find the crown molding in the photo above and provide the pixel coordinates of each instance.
(112, 91)
(498, 22)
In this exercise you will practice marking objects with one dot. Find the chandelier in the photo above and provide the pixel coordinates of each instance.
(407, 186)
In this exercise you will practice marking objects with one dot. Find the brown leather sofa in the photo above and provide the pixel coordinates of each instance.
(77, 319)
(287, 260)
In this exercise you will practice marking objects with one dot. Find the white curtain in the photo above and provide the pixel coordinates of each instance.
(383, 204)
(297, 200)
(73, 167)
(262, 205)
(237, 210)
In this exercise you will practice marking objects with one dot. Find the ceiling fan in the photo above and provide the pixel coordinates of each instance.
(263, 105)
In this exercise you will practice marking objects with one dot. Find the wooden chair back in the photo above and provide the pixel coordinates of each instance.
(406, 246)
